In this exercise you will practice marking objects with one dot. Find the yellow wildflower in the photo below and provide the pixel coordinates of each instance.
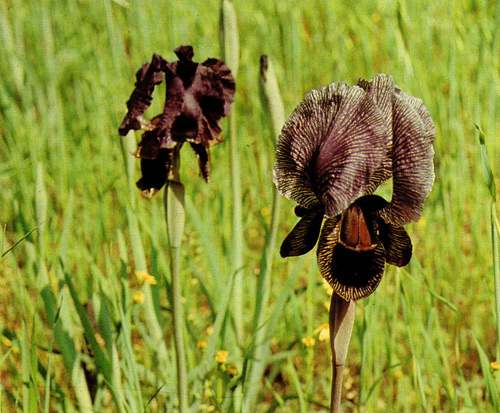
(232, 370)
(422, 222)
(145, 277)
(201, 344)
(323, 332)
(138, 297)
(495, 365)
(6, 341)
(308, 341)
(221, 356)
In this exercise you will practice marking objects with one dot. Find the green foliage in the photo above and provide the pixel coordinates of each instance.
(75, 333)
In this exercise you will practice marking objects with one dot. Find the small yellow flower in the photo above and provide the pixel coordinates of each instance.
(209, 330)
(201, 344)
(142, 275)
(495, 365)
(221, 356)
(6, 341)
(323, 332)
(308, 341)
(232, 370)
(145, 277)
(422, 222)
(138, 297)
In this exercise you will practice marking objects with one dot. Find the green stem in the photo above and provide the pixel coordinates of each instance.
(175, 217)
(341, 323)
(229, 41)
(272, 101)
(496, 271)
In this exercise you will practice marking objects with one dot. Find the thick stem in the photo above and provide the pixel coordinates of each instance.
(341, 323)
(175, 217)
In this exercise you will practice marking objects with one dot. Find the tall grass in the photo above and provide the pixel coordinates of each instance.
(75, 336)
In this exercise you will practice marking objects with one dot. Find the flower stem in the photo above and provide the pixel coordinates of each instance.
(341, 323)
(175, 217)
(229, 41)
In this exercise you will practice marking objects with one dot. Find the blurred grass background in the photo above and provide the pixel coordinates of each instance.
(67, 68)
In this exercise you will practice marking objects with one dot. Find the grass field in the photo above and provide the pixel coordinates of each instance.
(75, 334)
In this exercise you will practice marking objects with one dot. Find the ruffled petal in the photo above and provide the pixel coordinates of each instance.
(147, 78)
(330, 147)
(381, 89)
(412, 159)
(352, 274)
(304, 236)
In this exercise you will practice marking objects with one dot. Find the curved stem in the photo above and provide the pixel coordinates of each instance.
(341, 323)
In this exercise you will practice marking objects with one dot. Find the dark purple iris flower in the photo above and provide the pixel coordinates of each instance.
(198, 96)
(336, 148)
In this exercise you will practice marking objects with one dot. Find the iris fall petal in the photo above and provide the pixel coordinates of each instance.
(304, 235)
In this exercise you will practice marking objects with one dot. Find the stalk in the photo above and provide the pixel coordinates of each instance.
(341, 323)
(490, 184)
(175, 217)
(229, 41)
(272, 100)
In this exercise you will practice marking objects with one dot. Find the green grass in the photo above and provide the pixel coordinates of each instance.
(422, 342)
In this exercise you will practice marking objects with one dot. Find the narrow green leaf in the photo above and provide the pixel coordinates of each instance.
(487, 171)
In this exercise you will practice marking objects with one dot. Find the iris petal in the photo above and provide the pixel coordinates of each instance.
(412, 159)
(203, 156)
(303, 237)
(352, 274)
(397, 244)
(154, 172)
(147, 77)
(329, 148)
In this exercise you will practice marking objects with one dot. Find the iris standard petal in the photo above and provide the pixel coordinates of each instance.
(304, 236)
(147, 77)
(412, 159)
(381, 89)
(353, 274)
(330, 147)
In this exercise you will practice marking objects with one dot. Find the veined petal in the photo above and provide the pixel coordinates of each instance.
(396, 242)
(304, 236)
(352, 274)
(381, 90)
(412, 159)
(330, 147)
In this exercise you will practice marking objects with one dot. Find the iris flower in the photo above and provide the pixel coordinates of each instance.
(198, 96)
(335, 149)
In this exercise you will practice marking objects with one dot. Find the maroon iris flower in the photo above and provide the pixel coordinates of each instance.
(336, 148)
(198, 96)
